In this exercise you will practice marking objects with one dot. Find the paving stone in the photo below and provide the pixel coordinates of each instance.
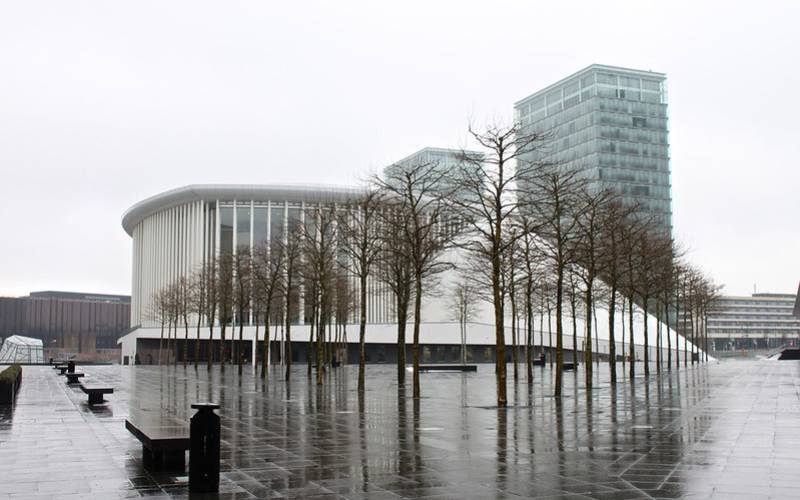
(728, 430)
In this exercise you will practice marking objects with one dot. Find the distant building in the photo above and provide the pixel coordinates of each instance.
(761, 321)
(84, 324)
(610, 123)
(445, 161)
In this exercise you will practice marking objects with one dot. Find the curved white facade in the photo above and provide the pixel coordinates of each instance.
(174, 232)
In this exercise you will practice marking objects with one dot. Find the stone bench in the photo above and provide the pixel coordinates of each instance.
(164, 441)
(448, 368)
(96, 392)
(72, 377)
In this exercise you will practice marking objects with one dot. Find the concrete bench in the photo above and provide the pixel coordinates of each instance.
(96, 392)
(164, 441)
(448, 368)
(72, 377)
(62, 369)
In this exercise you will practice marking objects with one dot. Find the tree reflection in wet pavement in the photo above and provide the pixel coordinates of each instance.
(728, 430)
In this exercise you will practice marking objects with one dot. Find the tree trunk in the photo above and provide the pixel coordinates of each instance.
(529, 340)
(631, 345)
(222, 346)
(362, 332)
(514, 334)
(287, 356)
(622, 337)
(197, 342)
(161, 343)
(239, 348)
(323, 319)
(559, 329)
(612, 343)
(646, 340)
(574, 311)
(310, 354)
(210, 348)
(265, 356)
(402, 321)
(587, 365)
(185, 340)
(417, 311)
(658, 337)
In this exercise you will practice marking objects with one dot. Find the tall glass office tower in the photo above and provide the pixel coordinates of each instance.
(611, 123)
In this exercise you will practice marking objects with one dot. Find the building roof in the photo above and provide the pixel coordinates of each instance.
(93, 297)
(588, 69)
(228, 192)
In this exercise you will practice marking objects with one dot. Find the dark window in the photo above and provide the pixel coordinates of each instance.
(639, 122)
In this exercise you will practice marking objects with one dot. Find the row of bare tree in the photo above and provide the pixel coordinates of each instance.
(531, 238)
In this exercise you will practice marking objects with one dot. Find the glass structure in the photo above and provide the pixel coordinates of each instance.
(446, 162)
(610, 123)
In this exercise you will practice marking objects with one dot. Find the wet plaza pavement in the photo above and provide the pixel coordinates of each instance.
(727, 430)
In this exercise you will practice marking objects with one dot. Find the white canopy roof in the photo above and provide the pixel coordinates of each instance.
(19, 349)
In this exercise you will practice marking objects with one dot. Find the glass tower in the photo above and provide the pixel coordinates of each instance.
(611, 123)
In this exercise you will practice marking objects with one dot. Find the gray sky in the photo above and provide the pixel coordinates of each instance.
(105, 103)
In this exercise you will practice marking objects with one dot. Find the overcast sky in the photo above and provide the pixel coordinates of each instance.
(105, 103)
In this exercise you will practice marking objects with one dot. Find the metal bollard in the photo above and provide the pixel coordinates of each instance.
(71, 367)
(204, 434)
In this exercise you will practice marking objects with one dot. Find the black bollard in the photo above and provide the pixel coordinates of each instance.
(204, 433)
(71, 367)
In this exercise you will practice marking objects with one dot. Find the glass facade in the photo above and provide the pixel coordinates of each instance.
(260, 225)
(226, 229)
(446, 161)
(243, 225)
(611, 123)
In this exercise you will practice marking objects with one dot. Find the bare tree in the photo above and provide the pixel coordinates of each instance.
(487, 198)
(197, 305)
(594, 203)
(159, 311)
(291, 244)
(615, 219)
(183, 290)
(531, 261)
(242, 296)
(463, 303)
(210, 274)
(362, 244)
(345, 302)
(555, 205)
(320, 253)
(415, 191)
(225, 295)
(268, 269)
(395, 271)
